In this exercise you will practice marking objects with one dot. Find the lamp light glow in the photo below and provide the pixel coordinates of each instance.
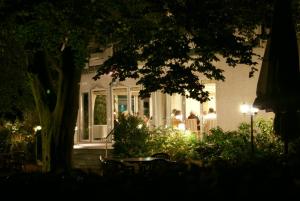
(251, 111)
(37, 128)
(244, 108)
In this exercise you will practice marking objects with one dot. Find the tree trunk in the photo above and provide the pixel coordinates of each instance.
(57, 105)
(67, 109)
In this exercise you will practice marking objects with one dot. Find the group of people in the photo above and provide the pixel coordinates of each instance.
(145, 118)
(208, 119)
(177, 120)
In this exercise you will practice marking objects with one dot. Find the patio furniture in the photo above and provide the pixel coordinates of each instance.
(191, 125)
(114, 167)
(161, 155)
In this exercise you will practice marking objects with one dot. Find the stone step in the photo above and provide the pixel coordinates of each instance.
(88, 159)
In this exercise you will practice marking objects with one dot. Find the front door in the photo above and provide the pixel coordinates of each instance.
(99, 116)
(100, 107)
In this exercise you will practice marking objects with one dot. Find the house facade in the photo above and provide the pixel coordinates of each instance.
(102, 100)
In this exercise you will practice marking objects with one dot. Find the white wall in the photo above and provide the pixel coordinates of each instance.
(237, 88)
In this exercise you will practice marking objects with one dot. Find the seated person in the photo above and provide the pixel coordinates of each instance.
(176, 119)
(210, 120)
(211, 114)
(194, 116)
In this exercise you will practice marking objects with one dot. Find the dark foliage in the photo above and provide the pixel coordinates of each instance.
(166, 45)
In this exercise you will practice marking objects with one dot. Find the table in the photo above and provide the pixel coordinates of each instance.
(138, 164)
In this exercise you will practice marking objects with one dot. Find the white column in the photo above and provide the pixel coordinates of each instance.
(158, 109)
(90, 109)
(168, 110)
(183, 103)
(140, 107)
(110, 114)
(154, 108)
(128, 100)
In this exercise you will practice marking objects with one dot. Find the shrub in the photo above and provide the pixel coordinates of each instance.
(130, 137)
(267, 143)
(4, 140)
(294, 148)
(178, 144)
(235, 146)
(231, 145)
(133, 139)
(18, 137)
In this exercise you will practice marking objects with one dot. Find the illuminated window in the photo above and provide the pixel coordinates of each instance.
(211, 88)
(100, 114)
(85, 116)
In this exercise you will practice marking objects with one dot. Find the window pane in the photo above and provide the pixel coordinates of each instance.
(85, 104)
(211, 88)
(146, 107)
(100, 110)
(119, 100)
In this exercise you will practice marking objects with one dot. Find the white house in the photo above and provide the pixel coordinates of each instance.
(101, 99)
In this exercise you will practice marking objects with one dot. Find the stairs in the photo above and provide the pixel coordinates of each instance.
(87, 158)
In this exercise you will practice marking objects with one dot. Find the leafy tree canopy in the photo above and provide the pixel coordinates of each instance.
(53, 40)
(166, 44)
(31, 26)
(16, 97)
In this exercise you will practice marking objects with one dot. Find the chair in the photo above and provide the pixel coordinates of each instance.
(209, 124)
(113, 167)
(161, 155)
(191, 124)
(159, 168)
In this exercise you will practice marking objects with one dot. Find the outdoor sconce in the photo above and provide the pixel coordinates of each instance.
(37, 128)
(247, 109)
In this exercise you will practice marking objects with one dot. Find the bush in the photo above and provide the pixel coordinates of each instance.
(134, 139)
(294, 147)
(130, 137)
(267, 143)
(18, 137)
(178, 144)
(4, 140)
(233, 145)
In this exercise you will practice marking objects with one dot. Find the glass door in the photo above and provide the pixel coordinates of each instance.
(134, 91)
(125, 100)
(84, 134)
(209, 115)
(120, 102)
(99, 103)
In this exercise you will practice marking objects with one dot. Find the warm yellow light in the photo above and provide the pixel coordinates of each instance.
(254, 110)
(244, 108)
(248, 109)
(188, 133)
(179, 117)
(37, 128)
(181, 126)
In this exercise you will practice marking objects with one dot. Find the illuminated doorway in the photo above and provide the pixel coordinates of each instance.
(201, 110)
(84, 131)
(211, 88)
(99, 115)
